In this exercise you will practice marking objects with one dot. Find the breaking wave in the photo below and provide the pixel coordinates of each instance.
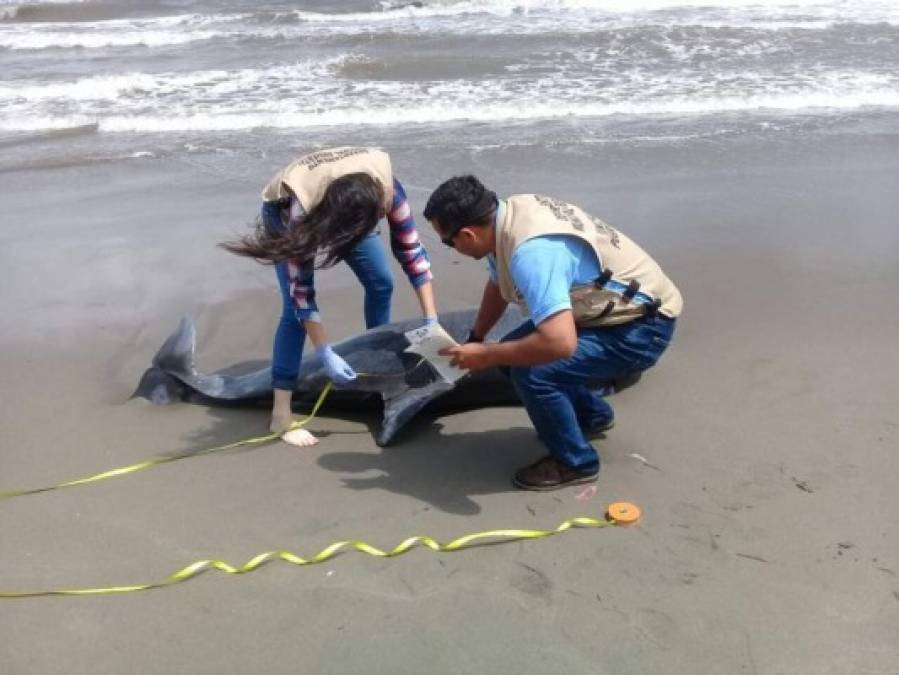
(232, 100)
(21, 27)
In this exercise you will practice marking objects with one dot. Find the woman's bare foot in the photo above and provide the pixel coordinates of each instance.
(283, 419)
(299, 437)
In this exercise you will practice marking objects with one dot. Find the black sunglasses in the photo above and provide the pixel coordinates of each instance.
(448, 239)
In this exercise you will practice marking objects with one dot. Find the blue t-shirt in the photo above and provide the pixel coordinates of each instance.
(545, 269)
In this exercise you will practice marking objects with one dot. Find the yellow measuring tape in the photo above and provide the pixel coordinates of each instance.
(619, 513)
(140, 466)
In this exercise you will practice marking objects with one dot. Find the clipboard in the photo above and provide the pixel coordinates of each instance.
(426, 342)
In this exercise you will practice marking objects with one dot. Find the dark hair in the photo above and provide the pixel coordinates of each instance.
(349, 210)
(461, 200)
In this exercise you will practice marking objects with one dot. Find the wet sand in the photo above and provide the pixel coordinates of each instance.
(762, 448)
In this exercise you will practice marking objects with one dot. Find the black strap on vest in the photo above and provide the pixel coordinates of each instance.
(631, 290)
(603, 278)
(610, 305)
(652, 308)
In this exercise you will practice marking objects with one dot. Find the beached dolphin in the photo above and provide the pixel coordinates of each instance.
(388, 376)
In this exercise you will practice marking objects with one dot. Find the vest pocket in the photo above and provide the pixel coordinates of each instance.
(597, 306)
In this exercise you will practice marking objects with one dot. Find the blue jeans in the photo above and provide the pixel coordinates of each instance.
(370, 265)
(557, 397)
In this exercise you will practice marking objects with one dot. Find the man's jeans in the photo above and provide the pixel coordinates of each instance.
(370, 265)
(557, 397)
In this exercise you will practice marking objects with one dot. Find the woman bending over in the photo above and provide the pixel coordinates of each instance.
(322, 209)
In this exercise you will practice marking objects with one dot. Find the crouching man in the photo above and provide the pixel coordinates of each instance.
(600, 308)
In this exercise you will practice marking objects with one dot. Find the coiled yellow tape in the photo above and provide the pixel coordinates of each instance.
(327, 553)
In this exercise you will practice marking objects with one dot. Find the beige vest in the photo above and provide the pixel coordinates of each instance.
(309, 176)
(528, 216)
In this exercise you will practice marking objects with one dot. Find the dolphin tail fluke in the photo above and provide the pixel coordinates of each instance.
(176, 355)
(160, 383)
(159, 387)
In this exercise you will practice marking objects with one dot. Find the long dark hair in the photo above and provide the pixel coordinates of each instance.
(350, 208)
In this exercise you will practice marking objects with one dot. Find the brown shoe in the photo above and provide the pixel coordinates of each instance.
(551, 474)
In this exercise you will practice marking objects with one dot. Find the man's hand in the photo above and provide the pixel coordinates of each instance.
(554, 339)
(470, 356)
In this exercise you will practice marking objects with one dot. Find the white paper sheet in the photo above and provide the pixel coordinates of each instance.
(427, 341)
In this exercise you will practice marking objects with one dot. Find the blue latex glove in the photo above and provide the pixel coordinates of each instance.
(338, 369)
(431, 320)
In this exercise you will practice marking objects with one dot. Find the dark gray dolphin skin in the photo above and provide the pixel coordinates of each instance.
(388, 377)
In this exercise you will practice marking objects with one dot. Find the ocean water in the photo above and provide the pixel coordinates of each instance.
(96, 80)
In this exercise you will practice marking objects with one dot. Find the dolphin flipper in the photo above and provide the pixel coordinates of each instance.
(400, 409)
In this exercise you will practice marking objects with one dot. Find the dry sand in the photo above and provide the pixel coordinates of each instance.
(769, 431)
